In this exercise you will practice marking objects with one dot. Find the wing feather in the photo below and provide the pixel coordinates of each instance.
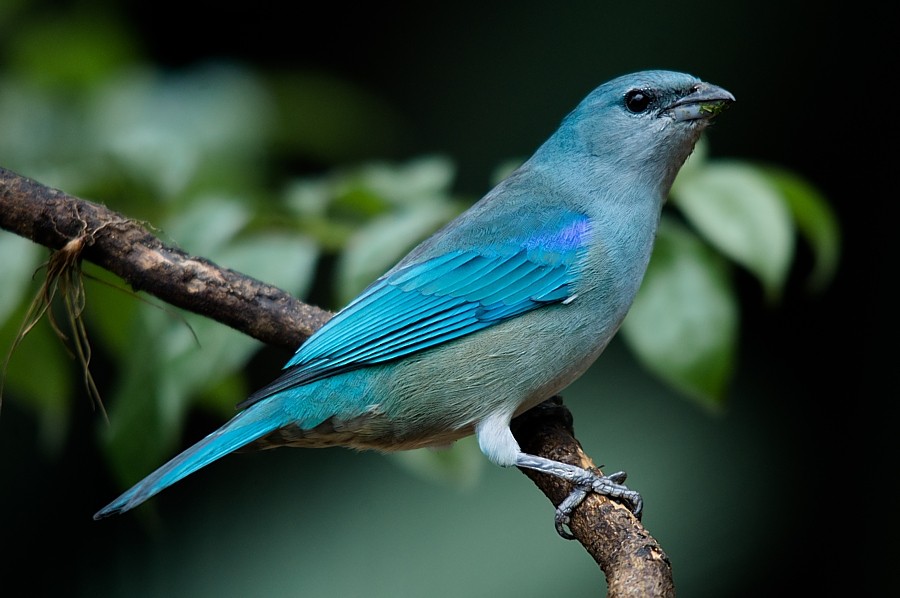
(428, 303)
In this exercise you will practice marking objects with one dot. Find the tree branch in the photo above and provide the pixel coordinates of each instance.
(634, 563)
(632, 560)
(127, 249)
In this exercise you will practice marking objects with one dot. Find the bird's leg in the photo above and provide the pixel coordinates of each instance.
(584, 481)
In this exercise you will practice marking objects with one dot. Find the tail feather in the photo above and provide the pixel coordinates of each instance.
(246, 427)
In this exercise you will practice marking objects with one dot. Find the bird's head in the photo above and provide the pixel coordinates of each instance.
(644, 123)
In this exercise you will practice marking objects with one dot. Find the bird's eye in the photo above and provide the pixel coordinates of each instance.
(638, 100)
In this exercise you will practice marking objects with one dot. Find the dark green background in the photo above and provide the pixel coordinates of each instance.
(780, 488)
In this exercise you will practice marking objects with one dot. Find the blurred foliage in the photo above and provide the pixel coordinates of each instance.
(196, 155)
(722, 215)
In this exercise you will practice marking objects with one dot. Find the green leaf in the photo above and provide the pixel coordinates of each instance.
(40, 135)
(10, 11)
(109, 305)
(421, 180)
(170, 364)
(139, 435)
(19, 258)
(333, 208)
(309, 197)
(815, 220)
(173, 363)
(201, 128)
(40, 374)
(383, 241)
(373, 214)
(221, 396)
(739, 211)
(285, 261)
(207, 224)
(73, 50)
(190, 363)
(683, 325)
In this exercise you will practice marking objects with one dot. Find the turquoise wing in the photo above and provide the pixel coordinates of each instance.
(432, 302)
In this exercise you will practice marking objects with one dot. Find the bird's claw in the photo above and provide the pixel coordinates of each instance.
(610, 486)
(618, 477)
(565, 508)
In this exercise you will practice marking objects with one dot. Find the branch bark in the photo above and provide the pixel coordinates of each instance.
(127, 249)
(632, 560)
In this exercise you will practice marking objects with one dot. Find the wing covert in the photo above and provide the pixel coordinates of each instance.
(435, 301)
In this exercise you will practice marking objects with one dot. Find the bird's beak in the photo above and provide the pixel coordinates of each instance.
(706, 101)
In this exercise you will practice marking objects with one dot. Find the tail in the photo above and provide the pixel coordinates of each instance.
(247, 426)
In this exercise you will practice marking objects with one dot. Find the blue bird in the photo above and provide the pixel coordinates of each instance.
(501, 309)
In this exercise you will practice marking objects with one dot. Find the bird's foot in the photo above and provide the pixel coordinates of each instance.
(584, 482)
(610, 486)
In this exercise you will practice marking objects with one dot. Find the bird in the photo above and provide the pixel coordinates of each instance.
(502, 308)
